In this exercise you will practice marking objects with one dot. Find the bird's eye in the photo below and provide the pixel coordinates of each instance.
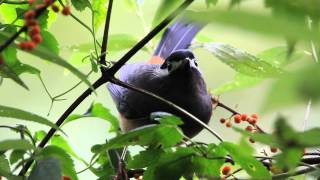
(195, 63)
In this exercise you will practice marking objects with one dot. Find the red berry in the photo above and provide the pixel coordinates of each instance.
(55, 8)
(66, 10)
(273, 149)
(244, 117)
(31, 22)
(249, 128)
(29, 14)
(23, 45)
(66, 178)
(31, 2)
(252, 140)
(229, 124)
(1, 62)
(35, 30)
(237, 118)
(37, 39)
(226, 170)
(48, 2)
(255, 116)
(40, 6)
(30, 45)
(222, 120)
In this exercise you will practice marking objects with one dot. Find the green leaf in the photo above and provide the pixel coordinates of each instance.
(8, 73)
(251, 165)
(80, 5)
(99, 11)
(50, 42)
(211, 2)
(241, 61)
(4, 165)
(164, 9)
(9, 14)
(66, 161)
(164, 134)
(15, 144)
(16, 155)
(277, 56)
(46, 54)
(252, 21)
(48, 169)
(99, 111)
(293, 88)
(145, 158)
(11, 112)
(60, 142)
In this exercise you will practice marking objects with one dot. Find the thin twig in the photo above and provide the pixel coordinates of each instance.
(172, 105)
(296, 173)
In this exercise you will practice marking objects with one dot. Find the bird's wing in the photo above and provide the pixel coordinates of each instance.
(178, 36)
(129, 103)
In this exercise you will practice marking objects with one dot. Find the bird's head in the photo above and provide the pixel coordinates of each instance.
(180, 60)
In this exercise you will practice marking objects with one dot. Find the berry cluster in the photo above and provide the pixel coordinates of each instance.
(33, 28)
(252, 127)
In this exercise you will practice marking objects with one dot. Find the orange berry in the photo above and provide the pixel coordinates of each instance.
(244, 117)
(222, 120)
(66, 11)
(55, 8)
(252, 140)
(37, 38)
(255, 116)
(252, 121)
(237, 118)
(229, 124)
(249, 128)
(29, 14)
(226, 170)
(273, 149)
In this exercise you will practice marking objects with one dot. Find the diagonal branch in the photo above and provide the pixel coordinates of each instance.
(174, 106)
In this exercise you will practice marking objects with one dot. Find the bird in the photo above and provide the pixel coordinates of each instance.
(172, 73)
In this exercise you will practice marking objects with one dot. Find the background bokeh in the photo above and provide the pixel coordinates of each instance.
(84, 133)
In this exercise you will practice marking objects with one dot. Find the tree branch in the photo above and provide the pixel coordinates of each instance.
(105, 37)
(296, 173)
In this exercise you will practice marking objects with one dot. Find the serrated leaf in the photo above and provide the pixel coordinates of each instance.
(15, 144)
(11, 112)
(80, 5)
(66, 161)
(48, 169)
(242, 61)
(251, 165)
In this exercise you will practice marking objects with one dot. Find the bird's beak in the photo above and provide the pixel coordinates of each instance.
(191, 63)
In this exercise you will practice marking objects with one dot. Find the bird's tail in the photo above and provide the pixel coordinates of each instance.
(178, 36)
